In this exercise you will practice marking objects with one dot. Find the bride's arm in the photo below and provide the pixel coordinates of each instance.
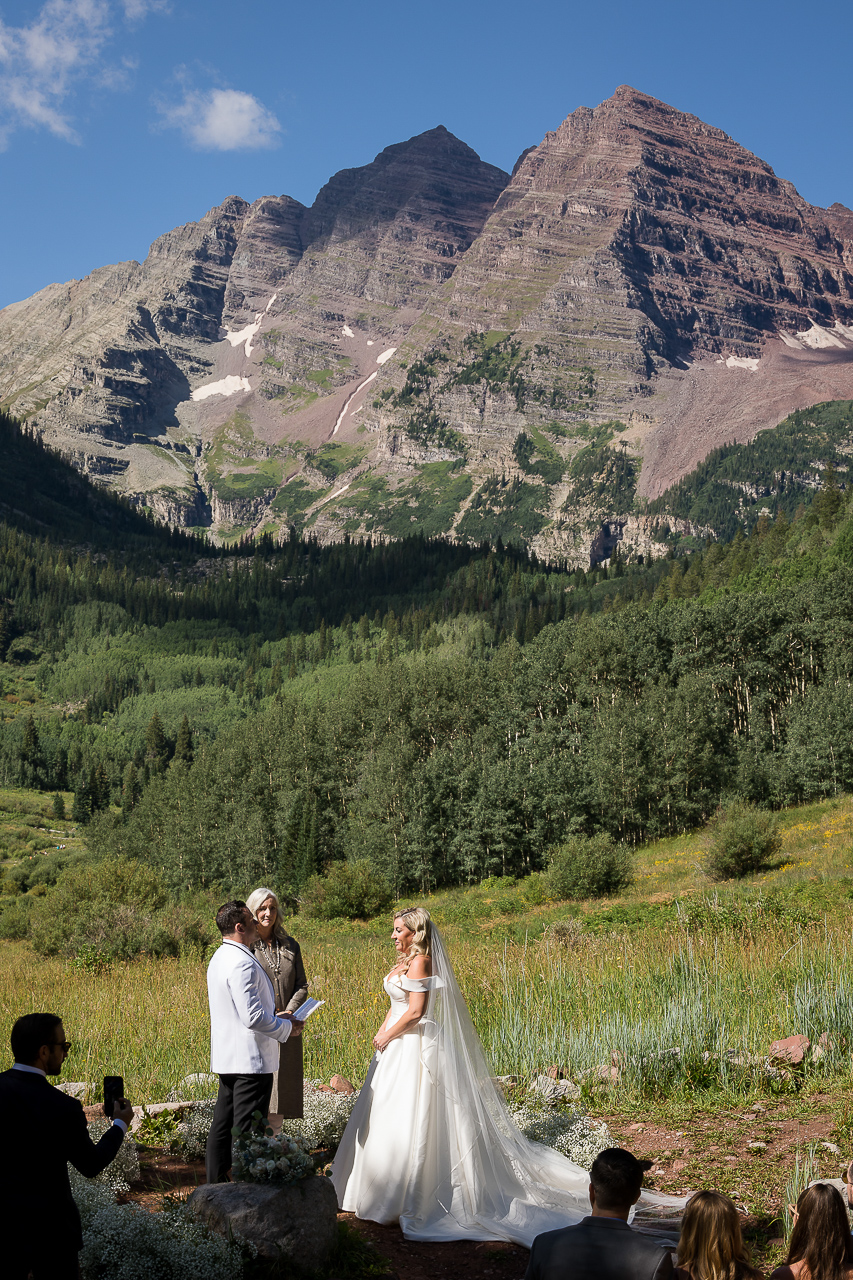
(419, 968)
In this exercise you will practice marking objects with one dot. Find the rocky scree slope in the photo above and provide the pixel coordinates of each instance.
(436, 346)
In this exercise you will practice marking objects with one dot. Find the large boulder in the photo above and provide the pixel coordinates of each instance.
(293, 1224)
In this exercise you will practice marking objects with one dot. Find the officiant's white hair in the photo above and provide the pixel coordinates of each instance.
(418, 920)
(256, 900)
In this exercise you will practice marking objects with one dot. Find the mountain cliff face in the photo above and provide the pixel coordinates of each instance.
(434, 345)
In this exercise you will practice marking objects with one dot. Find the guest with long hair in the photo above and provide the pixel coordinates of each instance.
(711, 1246)
(821, 1246)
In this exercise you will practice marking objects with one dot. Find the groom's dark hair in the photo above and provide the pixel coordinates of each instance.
(617, 1177)
(229, 915)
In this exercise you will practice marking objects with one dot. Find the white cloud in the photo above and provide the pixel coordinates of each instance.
(223, 120)
(41, 64)
(136, 10)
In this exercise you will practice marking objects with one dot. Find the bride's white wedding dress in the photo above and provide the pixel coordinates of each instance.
(430, 1142)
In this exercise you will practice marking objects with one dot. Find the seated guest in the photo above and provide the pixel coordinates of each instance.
(603, 1246)
(43, 1129)
(711, 1245)
(821, 1247)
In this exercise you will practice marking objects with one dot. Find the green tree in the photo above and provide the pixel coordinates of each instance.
(184, 743)
(156, 744)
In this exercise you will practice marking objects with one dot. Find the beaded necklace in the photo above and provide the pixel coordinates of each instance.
(274, 959)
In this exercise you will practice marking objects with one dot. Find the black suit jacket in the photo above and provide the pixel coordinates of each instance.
(598, 1249)
(43, 1129)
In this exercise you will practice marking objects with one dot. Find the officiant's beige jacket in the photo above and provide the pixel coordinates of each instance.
(244, 1031)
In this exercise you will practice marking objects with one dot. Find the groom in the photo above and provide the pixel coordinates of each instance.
(244, 1034)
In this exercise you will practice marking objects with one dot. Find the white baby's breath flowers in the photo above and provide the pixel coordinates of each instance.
(323, 1123)
(124, 1242)
(191, 1137)
(124, 1168)
(571, 1133)
(325, 1116)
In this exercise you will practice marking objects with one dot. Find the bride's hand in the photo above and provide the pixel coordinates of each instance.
(380, 1040)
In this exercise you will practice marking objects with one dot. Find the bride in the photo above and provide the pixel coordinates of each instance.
(430, 1142)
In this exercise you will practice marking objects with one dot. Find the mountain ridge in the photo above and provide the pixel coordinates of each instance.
(637, 267)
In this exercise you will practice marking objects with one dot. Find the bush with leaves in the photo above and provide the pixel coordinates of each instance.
(349, 891)
(588, 868)
(743, 839)
(117, 908)
(15, 917)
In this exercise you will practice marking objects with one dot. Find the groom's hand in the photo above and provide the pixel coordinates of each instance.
(295, 1025)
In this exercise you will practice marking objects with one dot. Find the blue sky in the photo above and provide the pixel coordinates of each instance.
(120, 119)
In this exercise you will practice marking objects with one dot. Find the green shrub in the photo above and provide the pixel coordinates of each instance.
(118, 909)
(534, 889)
(588, 868)
(348, 890)
(743, 839)
(15, 918)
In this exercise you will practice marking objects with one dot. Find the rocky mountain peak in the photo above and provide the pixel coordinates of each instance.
(432, 175)
(434, 344)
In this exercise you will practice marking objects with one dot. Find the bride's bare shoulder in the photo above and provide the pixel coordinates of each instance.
(419, 968)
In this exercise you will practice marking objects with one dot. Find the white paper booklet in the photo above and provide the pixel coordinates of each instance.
(305, 1010)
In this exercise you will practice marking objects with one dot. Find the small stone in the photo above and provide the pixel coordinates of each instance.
(832, 1147)
(551, 1090)
(789, 1052)
(757, 1146)
(554, 1072)
(757, 1107)
(677, 1166)
(198, 1082)
(340, 1084)
(76, 1088)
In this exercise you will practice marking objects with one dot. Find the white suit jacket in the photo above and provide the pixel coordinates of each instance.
(244, 1031)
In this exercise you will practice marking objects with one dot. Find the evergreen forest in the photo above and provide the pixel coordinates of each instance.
(447, 712)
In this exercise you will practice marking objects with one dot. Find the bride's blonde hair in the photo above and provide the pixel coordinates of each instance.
(418, 920)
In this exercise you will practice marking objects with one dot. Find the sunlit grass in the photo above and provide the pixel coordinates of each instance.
(642, 978)
(628, 998)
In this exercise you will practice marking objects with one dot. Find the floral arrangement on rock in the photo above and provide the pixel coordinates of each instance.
(267, 1157)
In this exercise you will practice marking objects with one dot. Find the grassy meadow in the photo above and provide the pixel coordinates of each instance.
(682, 984)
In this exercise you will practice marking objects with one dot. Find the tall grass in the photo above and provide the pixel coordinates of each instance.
(679, 1013)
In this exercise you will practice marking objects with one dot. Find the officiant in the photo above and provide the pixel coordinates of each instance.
(281, 958)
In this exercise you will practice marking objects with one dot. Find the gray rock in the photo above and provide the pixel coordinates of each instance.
(76, 1089)
(199, 1082)
(555, 1090)
(292, 1224)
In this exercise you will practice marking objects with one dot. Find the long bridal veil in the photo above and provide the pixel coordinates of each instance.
(478, 1175)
